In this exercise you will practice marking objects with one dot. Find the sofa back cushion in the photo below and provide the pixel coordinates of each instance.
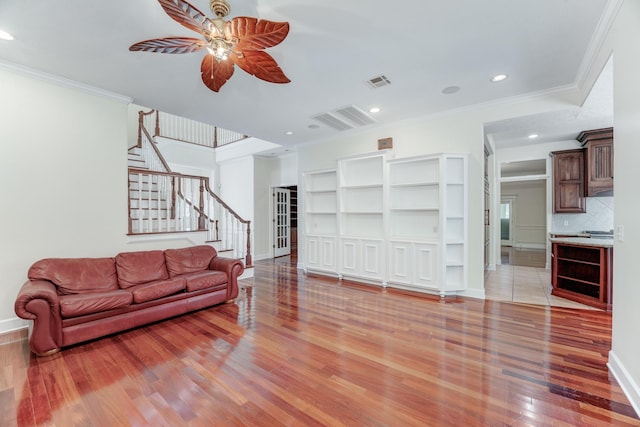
(77, 275)
(135, 268)
(189, 260)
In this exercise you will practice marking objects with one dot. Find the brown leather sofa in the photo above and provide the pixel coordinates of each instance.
(72, 300)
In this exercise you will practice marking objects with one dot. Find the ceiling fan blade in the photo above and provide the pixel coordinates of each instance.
(257, 34)
(214, 73)
(169, 45)
(186, 14)
(261, 65)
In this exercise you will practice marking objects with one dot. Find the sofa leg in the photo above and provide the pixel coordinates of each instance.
(48, 352)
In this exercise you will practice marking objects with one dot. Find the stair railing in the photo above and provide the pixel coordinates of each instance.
(150, 153)
(186, 204)
(162, 201)
(190, 131)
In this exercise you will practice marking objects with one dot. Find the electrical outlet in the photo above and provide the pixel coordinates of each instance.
(566, 222)
(620, 233)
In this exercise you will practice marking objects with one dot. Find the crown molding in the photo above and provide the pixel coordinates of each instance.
(62, 81)
(591, 68)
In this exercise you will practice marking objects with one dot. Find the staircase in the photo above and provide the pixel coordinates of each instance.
(162, 201)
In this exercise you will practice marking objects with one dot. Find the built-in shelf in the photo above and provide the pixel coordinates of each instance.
(582, 274)
(321, 219)
(400, 222)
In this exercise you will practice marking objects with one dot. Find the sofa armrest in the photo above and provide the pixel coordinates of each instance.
(234, 268)
(38, 300)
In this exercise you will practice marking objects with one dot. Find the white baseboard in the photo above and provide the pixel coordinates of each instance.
(260, 257)
(472, 293)
(14, 324)
(247, 273)
(523, 245)
(628, 385)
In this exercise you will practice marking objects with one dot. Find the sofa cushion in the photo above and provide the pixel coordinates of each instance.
(135, 268)
(77, 275)
(189, 260)
(159, 289)
(205, 279)
(80, 304)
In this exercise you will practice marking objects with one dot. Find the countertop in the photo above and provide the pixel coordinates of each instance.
(584, 241)
(554, 234)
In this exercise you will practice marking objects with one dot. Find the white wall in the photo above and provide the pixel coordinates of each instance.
(266, 176)
(288, 170)
(236, 189)
(63, 168)
(189, 159)
(529, 227)
(624, 358)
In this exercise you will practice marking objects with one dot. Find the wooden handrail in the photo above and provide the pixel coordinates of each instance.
(141, 115)
(226, 206)
(157, 151)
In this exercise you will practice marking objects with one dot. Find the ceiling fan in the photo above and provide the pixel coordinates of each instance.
(240, 41)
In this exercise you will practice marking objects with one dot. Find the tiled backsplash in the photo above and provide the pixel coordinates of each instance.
(599, 216)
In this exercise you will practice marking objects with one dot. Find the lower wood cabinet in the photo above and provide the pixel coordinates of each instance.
(583, 274)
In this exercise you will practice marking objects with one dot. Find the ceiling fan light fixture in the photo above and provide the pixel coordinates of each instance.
(220, 48)
(240, 41)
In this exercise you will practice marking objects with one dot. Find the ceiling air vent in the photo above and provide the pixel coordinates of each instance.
(332, 121)
(356, 115)
(378, 81)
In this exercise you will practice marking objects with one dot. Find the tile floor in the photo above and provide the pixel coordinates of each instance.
(524, 284)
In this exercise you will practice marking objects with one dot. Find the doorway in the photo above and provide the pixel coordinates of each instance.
(285, 221)
(506, 221)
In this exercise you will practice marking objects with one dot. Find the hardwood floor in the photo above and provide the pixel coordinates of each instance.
(302, 350)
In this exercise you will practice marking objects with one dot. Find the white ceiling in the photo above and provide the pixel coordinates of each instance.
(333, 48)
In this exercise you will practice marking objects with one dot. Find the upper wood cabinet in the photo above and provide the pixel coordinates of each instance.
(568, 181)
(598, 161)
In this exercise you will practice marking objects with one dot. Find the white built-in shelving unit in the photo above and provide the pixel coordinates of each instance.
(396, 222)
(361, 203)
(321, 220)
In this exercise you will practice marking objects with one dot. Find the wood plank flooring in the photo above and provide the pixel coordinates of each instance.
(296, 350)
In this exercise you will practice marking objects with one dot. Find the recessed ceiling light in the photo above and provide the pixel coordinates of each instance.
(533, 136)
(5, 36)
(499, 78)
(288, 132)
(374, 109)
(451, 89)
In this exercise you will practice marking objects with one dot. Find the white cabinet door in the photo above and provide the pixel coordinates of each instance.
(372, 257)
(426, 265)
(401, 263)
(361, 258)
(414, 264)
(321, 253)
(349, 257)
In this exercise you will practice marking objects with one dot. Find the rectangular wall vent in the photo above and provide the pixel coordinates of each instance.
(378, 81)
(356, 115)
(332, 121)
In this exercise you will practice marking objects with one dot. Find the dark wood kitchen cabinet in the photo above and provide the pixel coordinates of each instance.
(598, 161)
(568, 181)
